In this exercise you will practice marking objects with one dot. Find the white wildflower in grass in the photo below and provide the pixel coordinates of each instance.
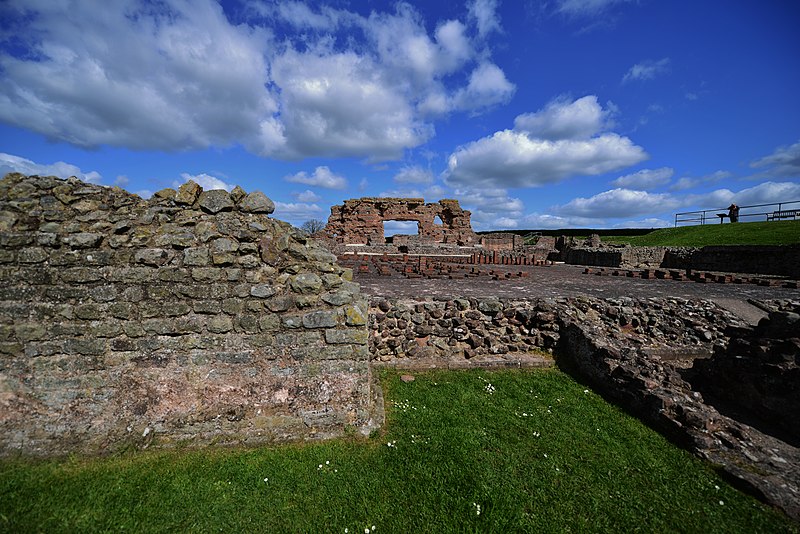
(419, 439)
(489, 388)
(392, 444)
(716, 487)
(477, 508)
(586, 391)
(536, 434)
(266, 479)
(722, 503)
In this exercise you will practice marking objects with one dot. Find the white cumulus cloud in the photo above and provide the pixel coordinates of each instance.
(645, 179)
(619, 203)
(206, 181)
(562, 119)
(180, 75)
(484, 14)
(687, 182)
(512, 158)
(784, 161)
(321, 177)
(764, 193)
(413, 175)
(173, 76)
(487, 87)
(297, 212)
(11, 163)
(546, 221)
(306, 196)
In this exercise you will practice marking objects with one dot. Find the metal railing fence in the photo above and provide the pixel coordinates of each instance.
(771, 211)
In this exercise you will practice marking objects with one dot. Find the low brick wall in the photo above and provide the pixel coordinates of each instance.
(193, 317)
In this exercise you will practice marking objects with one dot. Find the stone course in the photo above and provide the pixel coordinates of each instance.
(190, 317)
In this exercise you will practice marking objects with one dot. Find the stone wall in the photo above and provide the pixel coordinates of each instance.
(758, 373)
(405, 331)
(753, 259)
(193, 317)
(360, 220)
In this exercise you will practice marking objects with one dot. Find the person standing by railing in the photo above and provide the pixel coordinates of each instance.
(733, 213)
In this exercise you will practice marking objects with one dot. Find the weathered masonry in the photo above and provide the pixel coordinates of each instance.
(190, 317)
(360, 221)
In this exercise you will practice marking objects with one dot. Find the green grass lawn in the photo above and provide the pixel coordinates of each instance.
(511, 451)
(744, 233)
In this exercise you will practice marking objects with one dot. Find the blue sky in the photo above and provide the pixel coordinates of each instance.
(534, 114)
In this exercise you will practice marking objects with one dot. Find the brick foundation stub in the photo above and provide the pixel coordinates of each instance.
(360, 221)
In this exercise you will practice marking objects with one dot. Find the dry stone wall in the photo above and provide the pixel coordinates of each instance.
(192, 317)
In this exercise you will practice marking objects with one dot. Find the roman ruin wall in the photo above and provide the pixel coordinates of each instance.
(360, 221)
(193, 317)
(754, 259)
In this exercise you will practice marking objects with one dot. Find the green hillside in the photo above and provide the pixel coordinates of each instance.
(753, 233)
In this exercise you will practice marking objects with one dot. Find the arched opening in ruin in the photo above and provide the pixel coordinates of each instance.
(393, 227)
(438, 221)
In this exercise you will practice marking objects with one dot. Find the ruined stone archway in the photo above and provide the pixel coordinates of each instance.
(360, 221)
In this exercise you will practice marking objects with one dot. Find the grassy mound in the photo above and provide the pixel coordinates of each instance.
(510, 451)
(752, 233)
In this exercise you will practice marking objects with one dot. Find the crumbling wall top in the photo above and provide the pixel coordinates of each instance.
(360, 220)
